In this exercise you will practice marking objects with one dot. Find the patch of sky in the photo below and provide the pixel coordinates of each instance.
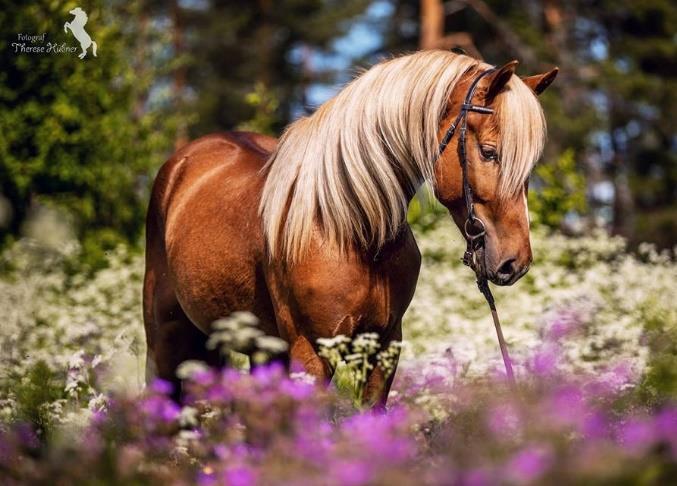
(604, 215)
(603, 192)
(317, 94)
(648, 111)
(604, 147)
(194, 4)
(599, 50)
(593, 32)
(621, 139)
(364, 37)
(366, 34)
(160, 94)
(633, 128)
(360, 40)
(623, 65)
(600, 101)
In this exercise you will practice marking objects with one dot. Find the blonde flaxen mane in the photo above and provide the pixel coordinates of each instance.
(350, 168)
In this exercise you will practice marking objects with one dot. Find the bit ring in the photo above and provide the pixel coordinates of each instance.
(470, 224)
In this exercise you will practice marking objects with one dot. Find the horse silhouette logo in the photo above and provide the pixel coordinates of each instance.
(77, 27)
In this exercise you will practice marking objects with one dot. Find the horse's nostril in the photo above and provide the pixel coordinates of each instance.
(507, 268)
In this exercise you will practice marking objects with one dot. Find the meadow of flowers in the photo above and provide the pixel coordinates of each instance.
(592, 329)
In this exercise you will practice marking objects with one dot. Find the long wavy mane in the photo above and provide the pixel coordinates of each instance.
(350, 168)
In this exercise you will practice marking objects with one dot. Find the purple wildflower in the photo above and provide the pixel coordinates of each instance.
(352, 473)
(160, 408)
(544, 362)
(637, 435)
(566, 407)
(666, 426)
(477, 477)
(161, 387)
(240, 476)
(503, 420)
(529, 464)
(566, 323)
(596, 426)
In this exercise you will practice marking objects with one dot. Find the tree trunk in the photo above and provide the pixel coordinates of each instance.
(623, 206)
(432, 24)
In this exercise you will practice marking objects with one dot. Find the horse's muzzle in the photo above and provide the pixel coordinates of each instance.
(507, 272)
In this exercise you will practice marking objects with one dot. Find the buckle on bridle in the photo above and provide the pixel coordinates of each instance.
(469, 259)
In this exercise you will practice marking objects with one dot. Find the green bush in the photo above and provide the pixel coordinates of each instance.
(559, 189)
(659, 384)
(35, 392)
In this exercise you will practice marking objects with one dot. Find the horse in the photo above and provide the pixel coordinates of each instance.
(309, 233)
(77, 27)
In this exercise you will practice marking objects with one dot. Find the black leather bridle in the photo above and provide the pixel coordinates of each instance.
(474, 228)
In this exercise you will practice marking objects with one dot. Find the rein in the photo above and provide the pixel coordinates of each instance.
(474, 227)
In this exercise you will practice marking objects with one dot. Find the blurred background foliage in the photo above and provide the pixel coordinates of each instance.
(84, 138)
(558, 191)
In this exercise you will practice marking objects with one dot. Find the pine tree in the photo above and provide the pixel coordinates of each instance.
(233, 48)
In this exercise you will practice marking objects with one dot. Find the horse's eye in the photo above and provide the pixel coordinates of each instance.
(488, 153)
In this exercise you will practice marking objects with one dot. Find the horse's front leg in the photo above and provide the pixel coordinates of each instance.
(66, 26)
(303, 353)
(378, 385)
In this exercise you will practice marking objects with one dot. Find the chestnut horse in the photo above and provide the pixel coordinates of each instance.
(309, 233)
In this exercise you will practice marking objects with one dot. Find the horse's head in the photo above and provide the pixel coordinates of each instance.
(79, 14)
(500, 150)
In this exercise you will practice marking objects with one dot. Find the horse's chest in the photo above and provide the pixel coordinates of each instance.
(328, 295)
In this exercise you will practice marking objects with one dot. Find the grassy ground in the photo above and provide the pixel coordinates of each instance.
(70, 321)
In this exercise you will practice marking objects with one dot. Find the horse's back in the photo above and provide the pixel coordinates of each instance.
(204, 213)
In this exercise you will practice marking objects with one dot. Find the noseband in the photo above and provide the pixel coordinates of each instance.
(474, 228)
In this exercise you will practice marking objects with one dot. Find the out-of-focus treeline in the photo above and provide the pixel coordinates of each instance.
(86, 137)
(613, 104)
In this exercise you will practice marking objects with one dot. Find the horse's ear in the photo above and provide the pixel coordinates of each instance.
(499, 78)
(539, 82)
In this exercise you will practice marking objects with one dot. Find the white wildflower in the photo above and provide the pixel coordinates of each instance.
(189, 368)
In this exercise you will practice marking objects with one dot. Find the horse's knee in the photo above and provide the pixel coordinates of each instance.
(303, 353)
